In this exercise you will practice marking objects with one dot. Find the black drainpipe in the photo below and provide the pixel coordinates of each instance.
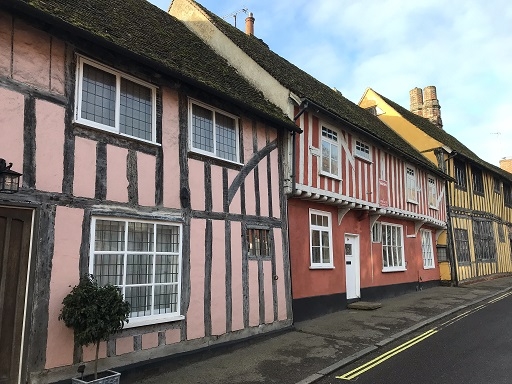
(303, 109)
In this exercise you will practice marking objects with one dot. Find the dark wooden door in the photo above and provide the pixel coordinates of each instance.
(15, 232)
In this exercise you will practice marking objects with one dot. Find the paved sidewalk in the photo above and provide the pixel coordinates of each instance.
(318, 347)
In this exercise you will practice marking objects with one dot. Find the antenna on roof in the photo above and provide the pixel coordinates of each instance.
(234, 14)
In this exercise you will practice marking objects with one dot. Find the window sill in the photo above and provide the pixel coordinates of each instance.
(398, 269)
(201, 156)
(139, 322)
(100, 128)
(366, 160)
(432, 267)
(482, 194)
(433, 207)
(330, 175)
(412, 201)
(321, 267)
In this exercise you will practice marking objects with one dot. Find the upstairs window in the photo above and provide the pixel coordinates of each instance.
(478, 182)
(115, 102)
(213, 132)
(497, 185)
(330, 152)
(460, 173)
(432, 192)
(507, 194)
(362, 150)
(410, 185)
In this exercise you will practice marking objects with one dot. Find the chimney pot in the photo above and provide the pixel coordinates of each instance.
(249, 24)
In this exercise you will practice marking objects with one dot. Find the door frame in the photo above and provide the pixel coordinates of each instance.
(357, 273)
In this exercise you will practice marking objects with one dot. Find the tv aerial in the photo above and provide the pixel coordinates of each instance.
(234, 14)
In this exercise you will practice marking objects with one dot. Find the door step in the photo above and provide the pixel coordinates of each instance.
(364, 305)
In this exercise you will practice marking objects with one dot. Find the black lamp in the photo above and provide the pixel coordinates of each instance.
(9, 180)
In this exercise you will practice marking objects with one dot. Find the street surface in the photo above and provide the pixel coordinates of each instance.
(474, 346)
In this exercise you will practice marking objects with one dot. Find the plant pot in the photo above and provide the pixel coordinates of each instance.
(105, 377)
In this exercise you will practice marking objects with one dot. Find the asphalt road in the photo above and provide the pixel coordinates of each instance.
(472, 347)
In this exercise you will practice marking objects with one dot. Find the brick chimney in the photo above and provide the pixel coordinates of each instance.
(506, 164)
(416, 97)
(426, 104)
(249, 24)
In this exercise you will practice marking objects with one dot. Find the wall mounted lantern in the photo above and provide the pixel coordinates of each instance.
(9, 180)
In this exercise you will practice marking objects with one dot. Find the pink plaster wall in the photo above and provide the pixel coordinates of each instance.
(276, 203)
(248, 146)
(263, 187)
(250, 194)
(280, 272)
(217, 190)
(170, 141)
(89, 352)
(172, 336)
(11, 127)
(235, 206)
(146, 169)
(85, 168)
(196, 184)
(254, 291)
(262, 136)
(124, 345)
(49, 146)
(5, 44)
(57, 73)
(218, 306)
(236, 282)
(31, 61)
(117, 182)
(195, 313)
(267, 285)
(150, 340)
(68, 236)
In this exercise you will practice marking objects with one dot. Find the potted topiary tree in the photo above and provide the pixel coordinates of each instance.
(94, 313)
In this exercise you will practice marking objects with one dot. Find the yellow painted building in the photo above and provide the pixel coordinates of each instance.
(478, 238)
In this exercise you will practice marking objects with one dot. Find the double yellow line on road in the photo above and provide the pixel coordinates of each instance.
(380, 359)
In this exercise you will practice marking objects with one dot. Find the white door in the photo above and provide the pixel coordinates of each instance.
(352, 269)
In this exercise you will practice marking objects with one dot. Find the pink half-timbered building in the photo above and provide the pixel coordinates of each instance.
(148, 162)
(364, 207)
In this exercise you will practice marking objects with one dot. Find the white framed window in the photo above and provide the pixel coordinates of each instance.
(362, 150)
(432, 192)
(213, 132)
(143, 258)
(258, 242)
(427, 249)
(410, 184)
(377, 232)
(330, 152)
(392, 248)
(320, 231)
(113, 101)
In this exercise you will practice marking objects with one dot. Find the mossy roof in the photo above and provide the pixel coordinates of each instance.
(149, 34)
(444, 137)
(307, 87)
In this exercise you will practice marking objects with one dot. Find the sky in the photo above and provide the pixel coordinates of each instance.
(463, 47)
